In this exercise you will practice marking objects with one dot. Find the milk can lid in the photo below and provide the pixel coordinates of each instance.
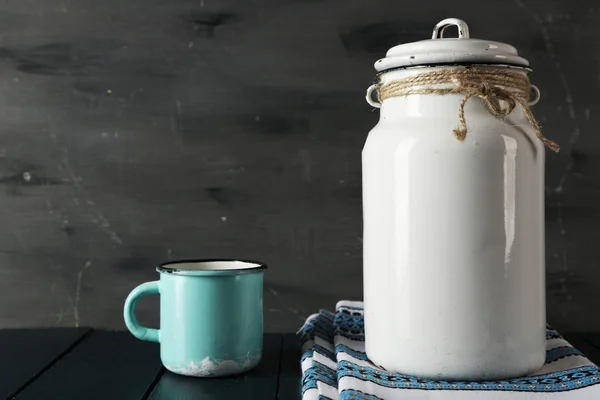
(440, 50)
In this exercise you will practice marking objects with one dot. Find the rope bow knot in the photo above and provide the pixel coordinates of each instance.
(500, 91)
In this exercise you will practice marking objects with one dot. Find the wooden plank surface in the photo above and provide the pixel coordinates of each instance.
(580, 342)
(593, 338)
(589, 344)
(289, 372)
(104, 366)
(260, 383)
(26, 353)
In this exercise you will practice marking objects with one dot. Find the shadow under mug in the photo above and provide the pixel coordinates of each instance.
(211, 316)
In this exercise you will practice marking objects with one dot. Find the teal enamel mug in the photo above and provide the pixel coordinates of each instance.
(211, 316)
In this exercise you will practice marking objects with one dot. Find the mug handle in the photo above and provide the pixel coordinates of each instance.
(139, 331)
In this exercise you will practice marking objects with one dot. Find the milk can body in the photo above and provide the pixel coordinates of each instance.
(454, 276)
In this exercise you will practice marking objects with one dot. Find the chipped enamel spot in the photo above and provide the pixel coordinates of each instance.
(212, 367)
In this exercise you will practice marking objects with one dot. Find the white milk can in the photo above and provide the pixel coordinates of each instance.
(453, 212)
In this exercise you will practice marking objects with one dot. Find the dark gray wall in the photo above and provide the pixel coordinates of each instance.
(134, 132)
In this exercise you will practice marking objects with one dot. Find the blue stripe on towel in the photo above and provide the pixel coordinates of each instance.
(360, 355)
(318, 373)
(554, 382)
(561, 352)
(351, 394)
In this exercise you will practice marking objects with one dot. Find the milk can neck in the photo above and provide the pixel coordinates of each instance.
(397, 74)
(421, 104)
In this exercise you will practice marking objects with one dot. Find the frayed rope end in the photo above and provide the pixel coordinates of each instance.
(551, 145)
(461, 134)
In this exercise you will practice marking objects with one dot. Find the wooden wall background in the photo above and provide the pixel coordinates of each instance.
(134, 132)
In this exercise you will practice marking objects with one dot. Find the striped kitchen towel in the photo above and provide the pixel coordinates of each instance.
(335, 366)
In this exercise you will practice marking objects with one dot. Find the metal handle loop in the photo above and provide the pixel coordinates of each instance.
(538, 95)
(369, 96)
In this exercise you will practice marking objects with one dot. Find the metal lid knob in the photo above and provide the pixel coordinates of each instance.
(463, 28)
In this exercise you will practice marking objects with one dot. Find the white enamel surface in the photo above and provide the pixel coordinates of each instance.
(444, 51)
(450, 50)
(211, 265)
(454, 283)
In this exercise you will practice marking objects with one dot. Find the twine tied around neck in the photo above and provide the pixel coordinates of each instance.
(500, 90)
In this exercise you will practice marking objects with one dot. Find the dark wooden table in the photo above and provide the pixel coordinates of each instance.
(73, 364)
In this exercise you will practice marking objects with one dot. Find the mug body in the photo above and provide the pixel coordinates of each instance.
(211, 316)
